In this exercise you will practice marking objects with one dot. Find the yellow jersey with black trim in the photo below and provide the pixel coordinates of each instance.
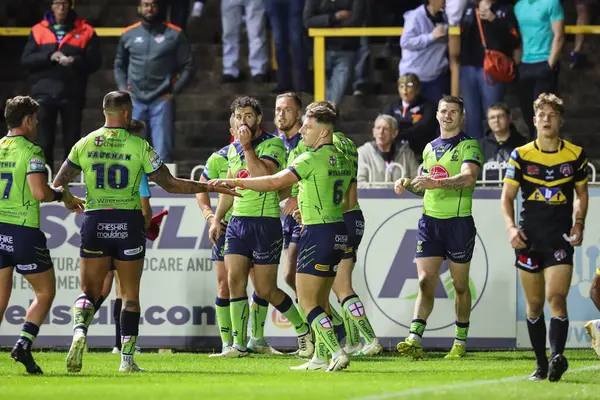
(547, 181)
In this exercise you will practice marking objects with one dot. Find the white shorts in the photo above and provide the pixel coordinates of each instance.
(454, 11)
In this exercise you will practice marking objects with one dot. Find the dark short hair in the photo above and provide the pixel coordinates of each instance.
(17, 108)
(116, 100)
(321, 113)
(246, 101)
(137, 127)
(291, 95)
(453, 100)
(500, 106)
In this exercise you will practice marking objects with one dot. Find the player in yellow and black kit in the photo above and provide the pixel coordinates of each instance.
(550, 172)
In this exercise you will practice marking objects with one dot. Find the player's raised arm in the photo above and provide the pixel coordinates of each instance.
(271, 183)
(163, 178)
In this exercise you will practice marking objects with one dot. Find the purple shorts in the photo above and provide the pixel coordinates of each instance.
(452, 238)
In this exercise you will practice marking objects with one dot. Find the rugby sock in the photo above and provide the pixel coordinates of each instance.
(356, 311)
(98, 304)
(321, 354)
(323, 329)
(301, 312)
(335, 316)
(559, 330)
(239, 321)
(130, 324)
(224, 320)
(117, 316)
(258, 316)
(417, 328)
(28, 334)
(352, 332)
(291, 313)
(537, 336)
(461, 331)
(83, 312)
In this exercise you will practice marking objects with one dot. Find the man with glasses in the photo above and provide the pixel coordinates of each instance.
(61, 52)
(417, 125)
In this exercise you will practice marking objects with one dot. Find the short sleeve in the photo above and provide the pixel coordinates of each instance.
(302, 167)
(73, 157)
(36, 163)
(513, 170)
(472, 153)
(556, 11)
(144, 187)
(273, 150)
(581, 169)
(210, 169)
(151, 160)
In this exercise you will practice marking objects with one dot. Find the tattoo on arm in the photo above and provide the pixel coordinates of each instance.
(165, 180)
(65, 175)
(460, 181)
(415, 191)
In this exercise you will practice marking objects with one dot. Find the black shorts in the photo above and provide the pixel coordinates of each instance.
(320, 249)
(544, 250)
(355, 225)
(24, 248)
(119, 234)
(452, 238)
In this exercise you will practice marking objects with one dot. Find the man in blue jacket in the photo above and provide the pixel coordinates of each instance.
(154, 63)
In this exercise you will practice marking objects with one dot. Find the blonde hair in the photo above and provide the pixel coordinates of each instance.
(551, 100)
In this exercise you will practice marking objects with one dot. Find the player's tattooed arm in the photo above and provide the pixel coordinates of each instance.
(466, 179)
(65, 175)
(163, 178)
(414, 190)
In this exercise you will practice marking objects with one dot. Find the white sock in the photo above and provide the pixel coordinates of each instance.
(415, 337)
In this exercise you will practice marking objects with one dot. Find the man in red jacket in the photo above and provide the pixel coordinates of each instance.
(61, 51)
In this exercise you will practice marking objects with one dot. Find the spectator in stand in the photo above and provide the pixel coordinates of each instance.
(154, 63)
(415, 115)
(61, 52)
(584, 11)
(378, 160)
(233, 12)
(499, 141)
(175, 11)
(424, 44)
(340, 52)
(285, 17)
(362, 69)
(454, 10)
(543, 33)
(501, 33)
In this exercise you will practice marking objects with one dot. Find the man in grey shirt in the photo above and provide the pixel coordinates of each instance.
(154, 63)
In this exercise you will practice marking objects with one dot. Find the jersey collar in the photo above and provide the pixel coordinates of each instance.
(561, 145)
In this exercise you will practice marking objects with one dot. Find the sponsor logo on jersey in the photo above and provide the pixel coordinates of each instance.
(155, 161)
(566, 170)
(332, 160)
(438, 172)
(36, 164)
(242, 173)
(533, 170)
(99, 141)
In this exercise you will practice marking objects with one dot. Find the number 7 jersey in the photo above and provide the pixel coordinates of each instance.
(19, 157)
(113, 162)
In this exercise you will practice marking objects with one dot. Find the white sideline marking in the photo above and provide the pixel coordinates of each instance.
(442, 388)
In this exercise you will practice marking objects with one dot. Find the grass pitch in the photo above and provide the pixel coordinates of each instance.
(481, 375)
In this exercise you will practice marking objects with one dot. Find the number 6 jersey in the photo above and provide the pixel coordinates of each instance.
(113, 162)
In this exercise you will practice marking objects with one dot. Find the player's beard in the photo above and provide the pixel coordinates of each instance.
(289, 124)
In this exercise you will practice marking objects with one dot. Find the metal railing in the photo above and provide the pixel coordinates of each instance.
(485, 170)
(319, 35)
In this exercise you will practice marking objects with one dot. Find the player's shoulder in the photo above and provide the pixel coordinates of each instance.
(522, 152)
(270, 139)
(222, 152)
(573, 148)
(467, 141)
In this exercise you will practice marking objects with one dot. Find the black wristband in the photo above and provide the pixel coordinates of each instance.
(58, 196)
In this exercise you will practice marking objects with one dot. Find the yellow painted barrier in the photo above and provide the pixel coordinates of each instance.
(319, 35)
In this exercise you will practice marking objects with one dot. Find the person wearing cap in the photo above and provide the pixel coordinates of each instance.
(417, 125)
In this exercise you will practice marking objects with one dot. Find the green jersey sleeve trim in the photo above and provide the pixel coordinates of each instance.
(71, 163)
(295, 173)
